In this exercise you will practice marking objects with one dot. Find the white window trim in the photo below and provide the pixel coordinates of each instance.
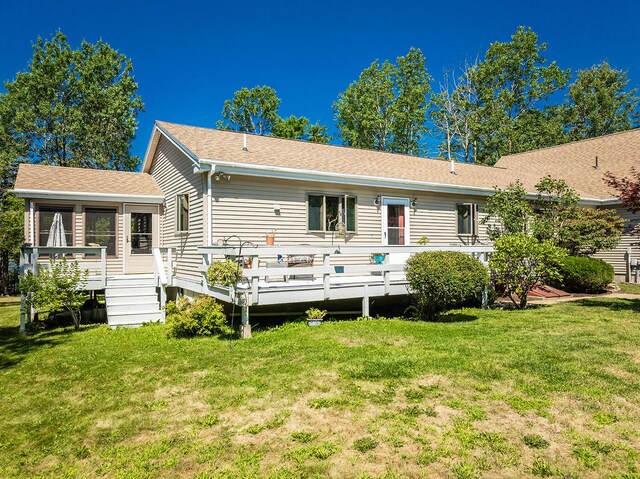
(324, 207)
(177, 218)
(475, 220)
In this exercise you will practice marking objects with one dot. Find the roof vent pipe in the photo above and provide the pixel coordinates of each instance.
(244, 142)
(453, 166)
(597, 165)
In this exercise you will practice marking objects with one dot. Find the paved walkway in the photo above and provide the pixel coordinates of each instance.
(575, 297)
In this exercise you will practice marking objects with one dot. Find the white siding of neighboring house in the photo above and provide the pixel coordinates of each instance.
(616, 257)
(173, 172)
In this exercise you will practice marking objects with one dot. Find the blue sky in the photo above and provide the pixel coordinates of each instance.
(189, 57)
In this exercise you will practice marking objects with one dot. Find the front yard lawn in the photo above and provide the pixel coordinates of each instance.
(549, 392)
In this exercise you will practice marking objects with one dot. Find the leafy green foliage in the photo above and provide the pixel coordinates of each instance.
(581, 274)
(385, 109)
(628, 191)
(590, 230)
(224, 273)
(511, 210)
(60, 287)
(255, 110)
(252, 110)
(512, 83)
(74, 107)
(535, 441)
(554, 216)
(521, 261)
(440, 280)
(315, 313)
(11, 235)
(599, 103)
(365, 444)
(202, 316)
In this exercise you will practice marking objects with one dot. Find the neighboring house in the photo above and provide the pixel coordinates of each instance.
(203, 192)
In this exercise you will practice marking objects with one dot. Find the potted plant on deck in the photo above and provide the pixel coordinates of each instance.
(315, 316)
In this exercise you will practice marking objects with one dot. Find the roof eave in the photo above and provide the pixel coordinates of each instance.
(158, 130)
(87, 196)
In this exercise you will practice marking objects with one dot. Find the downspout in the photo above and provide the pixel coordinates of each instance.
(209, 209)
(32, 234)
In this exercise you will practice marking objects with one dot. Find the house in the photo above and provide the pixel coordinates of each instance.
(206, 194)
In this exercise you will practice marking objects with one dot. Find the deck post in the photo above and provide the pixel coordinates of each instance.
(326, 276)
(245, 327)
(628, 261)
(365, 302)
(103, 266)
(386, 274)
(254, 280)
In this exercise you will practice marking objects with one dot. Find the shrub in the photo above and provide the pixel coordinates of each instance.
(521, 261)
(224, 273)
(582, 274)
(202, 316)
(440, 280)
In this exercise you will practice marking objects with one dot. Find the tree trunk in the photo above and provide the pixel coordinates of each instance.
(4, 272)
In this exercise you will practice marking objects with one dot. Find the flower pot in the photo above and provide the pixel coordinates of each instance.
(314, 322)
(270, 240)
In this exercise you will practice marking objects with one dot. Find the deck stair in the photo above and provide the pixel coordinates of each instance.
(132, 300)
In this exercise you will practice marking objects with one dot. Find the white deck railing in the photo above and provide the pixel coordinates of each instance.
(32, 258)
(329, 264)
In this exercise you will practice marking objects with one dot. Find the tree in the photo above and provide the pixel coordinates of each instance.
(589, 230)
(255, 111)
(553, 216)
(521, 261)
(508, 211)
(628, 189)
(252, 110)
(74, 107)
(453, 113)
(11, 208)
(57, 288)
(299, 128)
(599, 104)
(385, 109)
(512, 84)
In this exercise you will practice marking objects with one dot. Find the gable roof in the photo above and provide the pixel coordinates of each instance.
(221, 149)
(575, 162)
(225, 148)
(35, 181)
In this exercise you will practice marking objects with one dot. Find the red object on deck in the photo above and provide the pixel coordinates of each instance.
(544, 291)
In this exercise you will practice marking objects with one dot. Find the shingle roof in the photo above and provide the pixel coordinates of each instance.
(575, 162)
(83, 180)
(212, 144)
(572, 162)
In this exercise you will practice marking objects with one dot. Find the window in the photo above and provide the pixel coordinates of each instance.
(324, 212)
(46, 215)
(141, 233)
(182, 215)
(467, 219)
(100, 228)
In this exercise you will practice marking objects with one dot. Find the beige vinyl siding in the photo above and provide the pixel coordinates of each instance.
(616, 257)
(173, 172)
(114, 264)
(244, 206)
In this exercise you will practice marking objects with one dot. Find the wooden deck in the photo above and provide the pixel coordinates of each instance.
(337, 272)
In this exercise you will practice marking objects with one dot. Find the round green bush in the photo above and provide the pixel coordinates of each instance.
(441, 280)
(202, 316)
(224, 273)
(582, 274)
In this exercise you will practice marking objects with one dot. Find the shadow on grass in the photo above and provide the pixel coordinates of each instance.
(14, 347)
(617, 304)
(456, 318)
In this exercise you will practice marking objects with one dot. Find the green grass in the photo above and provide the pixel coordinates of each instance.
(481, 395)
(629, 288)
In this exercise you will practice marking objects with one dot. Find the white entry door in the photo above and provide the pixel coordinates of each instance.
(141, 236)
(395, 228)
(395, 221)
